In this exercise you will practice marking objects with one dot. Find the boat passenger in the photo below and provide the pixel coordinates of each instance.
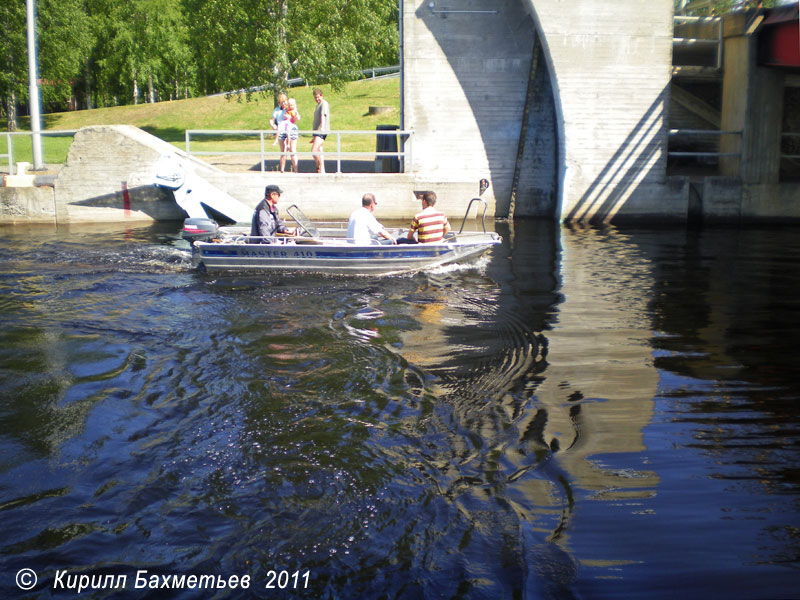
(266, 222)
(430, 225)
(363, 224)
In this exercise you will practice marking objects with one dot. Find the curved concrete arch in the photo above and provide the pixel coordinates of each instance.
(559, 117)
(610, 74)
(607, 74)
(466, 67)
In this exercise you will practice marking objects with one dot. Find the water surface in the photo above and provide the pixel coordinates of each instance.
(593, 413)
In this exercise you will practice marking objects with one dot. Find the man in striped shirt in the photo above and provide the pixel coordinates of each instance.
(430, 225)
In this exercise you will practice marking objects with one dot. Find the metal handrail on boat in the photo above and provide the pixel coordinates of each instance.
(302, 220)
(483, 216)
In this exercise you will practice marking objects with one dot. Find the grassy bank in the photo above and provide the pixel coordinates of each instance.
(170, 120)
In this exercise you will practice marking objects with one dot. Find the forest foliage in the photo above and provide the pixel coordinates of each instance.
(98, 53)
(705, 8)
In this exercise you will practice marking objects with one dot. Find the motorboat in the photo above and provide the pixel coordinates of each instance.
(324, 248)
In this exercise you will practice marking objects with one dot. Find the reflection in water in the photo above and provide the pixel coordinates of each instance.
(586, 413)
(600, 379)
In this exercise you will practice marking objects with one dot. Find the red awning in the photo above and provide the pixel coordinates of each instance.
(779, 38)
(781, 15)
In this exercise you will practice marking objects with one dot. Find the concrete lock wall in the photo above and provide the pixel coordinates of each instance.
(465, 79)
(594, 136)
(559, 104)
(610, 70)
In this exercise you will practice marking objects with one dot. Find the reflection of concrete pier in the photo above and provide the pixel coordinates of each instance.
(600, 381)
(561, 367)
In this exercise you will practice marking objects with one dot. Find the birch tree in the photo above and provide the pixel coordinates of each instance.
(251, 42)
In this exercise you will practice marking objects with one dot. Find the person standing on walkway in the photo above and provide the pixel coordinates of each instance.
(288, 133)
(321, 127)
(275, 122)
(277, 113)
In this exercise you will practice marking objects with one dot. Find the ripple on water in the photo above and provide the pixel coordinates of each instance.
(512, 430)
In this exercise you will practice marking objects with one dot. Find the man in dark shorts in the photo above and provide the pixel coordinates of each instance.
(321, 127)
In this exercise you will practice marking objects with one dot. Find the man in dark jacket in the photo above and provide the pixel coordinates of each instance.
(266, 222)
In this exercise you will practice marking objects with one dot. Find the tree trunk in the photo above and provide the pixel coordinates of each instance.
(87, 73)
(282, 62)
(135, 90)
(11, 111)
(151, 92)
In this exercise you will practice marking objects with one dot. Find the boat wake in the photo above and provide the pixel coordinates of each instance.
(478, 265)
(134, 258)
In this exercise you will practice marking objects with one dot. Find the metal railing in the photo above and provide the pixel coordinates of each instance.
(371, 73)
(403, 144)
(9, 156)
(483, 204)
(689, 42)
(263, 135)
(702, 132)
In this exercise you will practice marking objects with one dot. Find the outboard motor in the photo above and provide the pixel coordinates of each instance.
(199, 230)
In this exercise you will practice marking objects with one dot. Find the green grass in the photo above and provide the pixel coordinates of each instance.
(170, 120)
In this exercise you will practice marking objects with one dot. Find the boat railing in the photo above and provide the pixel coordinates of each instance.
(302, 220)
(483, 214)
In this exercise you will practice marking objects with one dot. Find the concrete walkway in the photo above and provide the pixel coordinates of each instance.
(245, 164)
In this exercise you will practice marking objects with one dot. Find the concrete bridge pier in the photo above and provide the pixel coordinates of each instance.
(561, 105)
(752, 102)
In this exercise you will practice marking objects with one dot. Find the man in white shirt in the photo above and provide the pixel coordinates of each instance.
(363, 224)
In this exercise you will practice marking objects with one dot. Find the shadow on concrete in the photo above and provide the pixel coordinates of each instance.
(491, 56)
(630, 166)
(155, 202)
(309, 166)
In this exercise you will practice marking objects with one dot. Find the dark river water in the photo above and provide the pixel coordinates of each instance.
(585, 413)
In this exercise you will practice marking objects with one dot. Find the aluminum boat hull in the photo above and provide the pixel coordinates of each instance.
(339, 256)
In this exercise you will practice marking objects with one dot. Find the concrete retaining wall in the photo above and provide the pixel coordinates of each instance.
(109, 174)
(27, 205)
(110, 171)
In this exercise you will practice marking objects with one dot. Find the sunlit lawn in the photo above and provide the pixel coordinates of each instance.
(170, 120)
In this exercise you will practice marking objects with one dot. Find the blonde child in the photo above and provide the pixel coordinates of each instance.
(288, 133)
